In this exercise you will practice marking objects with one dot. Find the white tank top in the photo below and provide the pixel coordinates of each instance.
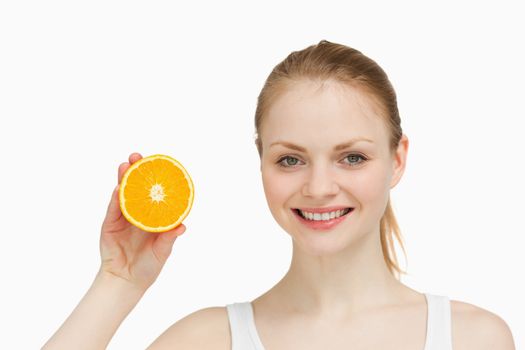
(438, 337)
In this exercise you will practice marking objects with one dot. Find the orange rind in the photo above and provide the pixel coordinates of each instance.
(156, 193)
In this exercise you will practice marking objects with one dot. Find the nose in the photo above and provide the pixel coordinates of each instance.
(321, 182)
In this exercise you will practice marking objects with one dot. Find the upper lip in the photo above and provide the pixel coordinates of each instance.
(323, 210)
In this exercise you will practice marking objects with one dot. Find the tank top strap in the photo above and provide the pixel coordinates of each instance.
(242, 327)
(439, 325)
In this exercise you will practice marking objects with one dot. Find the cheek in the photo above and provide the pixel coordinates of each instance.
(369, 186)
(278, 187)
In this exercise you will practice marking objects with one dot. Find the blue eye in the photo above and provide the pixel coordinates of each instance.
(289, 161)
(280, 161)
(356, 156)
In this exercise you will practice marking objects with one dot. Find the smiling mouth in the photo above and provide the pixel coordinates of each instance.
(323, 216)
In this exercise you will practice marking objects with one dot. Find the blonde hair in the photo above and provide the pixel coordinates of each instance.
(327, 60)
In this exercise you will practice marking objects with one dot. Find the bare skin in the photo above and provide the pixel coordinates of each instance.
(131, 261)
(341, 271)
(338, 292)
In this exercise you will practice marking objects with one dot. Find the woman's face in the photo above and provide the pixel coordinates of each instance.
(302, 168)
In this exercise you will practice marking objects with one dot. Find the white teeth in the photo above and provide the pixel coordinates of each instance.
(323, 216)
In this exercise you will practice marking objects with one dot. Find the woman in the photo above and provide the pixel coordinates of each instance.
(331, 148)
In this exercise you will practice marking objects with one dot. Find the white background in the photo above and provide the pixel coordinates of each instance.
(84, 84)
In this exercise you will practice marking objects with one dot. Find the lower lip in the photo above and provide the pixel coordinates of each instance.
(321, 225)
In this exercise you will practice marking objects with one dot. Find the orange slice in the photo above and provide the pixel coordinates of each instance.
(156, 193)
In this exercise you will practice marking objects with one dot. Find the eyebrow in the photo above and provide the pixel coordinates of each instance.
(336, 148)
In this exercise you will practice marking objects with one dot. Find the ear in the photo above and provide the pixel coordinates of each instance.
(400, 160)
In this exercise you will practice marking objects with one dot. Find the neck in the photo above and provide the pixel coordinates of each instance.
(351, 280)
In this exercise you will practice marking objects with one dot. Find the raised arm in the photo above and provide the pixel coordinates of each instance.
(98, 315)
(131, 260)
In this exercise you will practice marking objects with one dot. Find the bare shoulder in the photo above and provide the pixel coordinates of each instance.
(206, 328)
(476, 328)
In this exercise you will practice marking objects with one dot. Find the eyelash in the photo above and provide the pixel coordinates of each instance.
(280, 161)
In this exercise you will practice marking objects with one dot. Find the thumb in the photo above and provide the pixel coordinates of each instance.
(113, 213)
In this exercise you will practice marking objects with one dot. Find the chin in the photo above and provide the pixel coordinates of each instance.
(320, 244)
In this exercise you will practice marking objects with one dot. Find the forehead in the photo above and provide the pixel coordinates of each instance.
(323, 113)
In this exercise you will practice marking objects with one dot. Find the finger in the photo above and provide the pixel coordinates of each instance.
(113, 213)
(133, 157)
(172, 234)
(125, 166)
(163, 245)
(179, 230)
(121, 170)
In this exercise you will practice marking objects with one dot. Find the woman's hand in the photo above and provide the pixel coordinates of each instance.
(128, 252)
